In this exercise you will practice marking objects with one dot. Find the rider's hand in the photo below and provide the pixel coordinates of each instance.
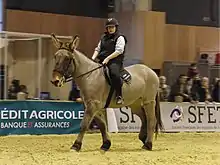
(105, 62)
(93, 58)
(95, 54)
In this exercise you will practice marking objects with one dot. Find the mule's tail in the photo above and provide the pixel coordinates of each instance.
(159, 123)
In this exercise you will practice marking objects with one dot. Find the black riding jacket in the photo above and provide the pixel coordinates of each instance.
(108, 43)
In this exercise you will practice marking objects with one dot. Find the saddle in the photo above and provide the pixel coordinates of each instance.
(124, 75)
(125, 78)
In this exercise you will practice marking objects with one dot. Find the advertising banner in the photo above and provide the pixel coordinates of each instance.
(126, 120)
(191, 117)
(40, 117)
(176, 117)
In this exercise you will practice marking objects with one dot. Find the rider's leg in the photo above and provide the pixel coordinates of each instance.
(114, 69)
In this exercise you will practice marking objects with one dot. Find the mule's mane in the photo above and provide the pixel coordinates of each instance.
(84, 57)
(81, 54)
(84, 65)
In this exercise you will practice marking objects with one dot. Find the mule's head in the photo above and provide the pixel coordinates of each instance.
(64, 60)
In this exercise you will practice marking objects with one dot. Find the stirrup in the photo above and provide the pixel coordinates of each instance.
(119, 100)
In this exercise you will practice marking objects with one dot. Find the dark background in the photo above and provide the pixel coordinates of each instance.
(189, 12)
(89, 8)
(183, 12)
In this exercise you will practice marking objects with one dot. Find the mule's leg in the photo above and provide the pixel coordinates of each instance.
(151, 123)
(138, 109)
(100, 120)
(143, 130)
(87, 119)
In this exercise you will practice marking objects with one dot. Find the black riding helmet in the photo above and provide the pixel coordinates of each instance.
(111, 22)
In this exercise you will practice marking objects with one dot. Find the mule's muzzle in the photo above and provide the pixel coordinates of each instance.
(57, 83)
(58, 80)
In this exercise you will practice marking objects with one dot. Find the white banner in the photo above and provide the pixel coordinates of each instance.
(176, 117)
(190, 117)
(127, 121)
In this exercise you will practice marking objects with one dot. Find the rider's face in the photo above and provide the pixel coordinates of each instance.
(111, 29)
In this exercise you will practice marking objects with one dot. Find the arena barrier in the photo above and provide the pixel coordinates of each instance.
(54, 117)
(176, 117)
(40, 117)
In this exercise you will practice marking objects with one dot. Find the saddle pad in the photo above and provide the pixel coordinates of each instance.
(124, 74)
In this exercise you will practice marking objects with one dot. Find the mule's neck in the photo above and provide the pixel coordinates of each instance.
(82, 65)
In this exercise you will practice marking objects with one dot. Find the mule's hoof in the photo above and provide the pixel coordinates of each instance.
(143, 139)
(76, 146)
(106, 145)
(147, 146)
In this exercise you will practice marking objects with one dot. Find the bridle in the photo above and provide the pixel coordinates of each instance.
(66, 78)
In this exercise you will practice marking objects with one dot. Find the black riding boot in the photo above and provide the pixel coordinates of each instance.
(119, 98)
(116, 81)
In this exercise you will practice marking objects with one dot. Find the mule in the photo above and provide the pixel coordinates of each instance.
(140, 94)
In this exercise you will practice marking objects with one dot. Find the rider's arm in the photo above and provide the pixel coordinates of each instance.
(97, 50)
(119, 48)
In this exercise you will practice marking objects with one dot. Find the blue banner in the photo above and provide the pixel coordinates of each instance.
(40, 117)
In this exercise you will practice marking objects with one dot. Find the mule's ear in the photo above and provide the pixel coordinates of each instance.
(56, 41)
(75, 42)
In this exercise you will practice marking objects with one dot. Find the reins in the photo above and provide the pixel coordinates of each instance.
(71, 78)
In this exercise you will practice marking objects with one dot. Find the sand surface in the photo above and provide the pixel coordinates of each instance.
(169, 149)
